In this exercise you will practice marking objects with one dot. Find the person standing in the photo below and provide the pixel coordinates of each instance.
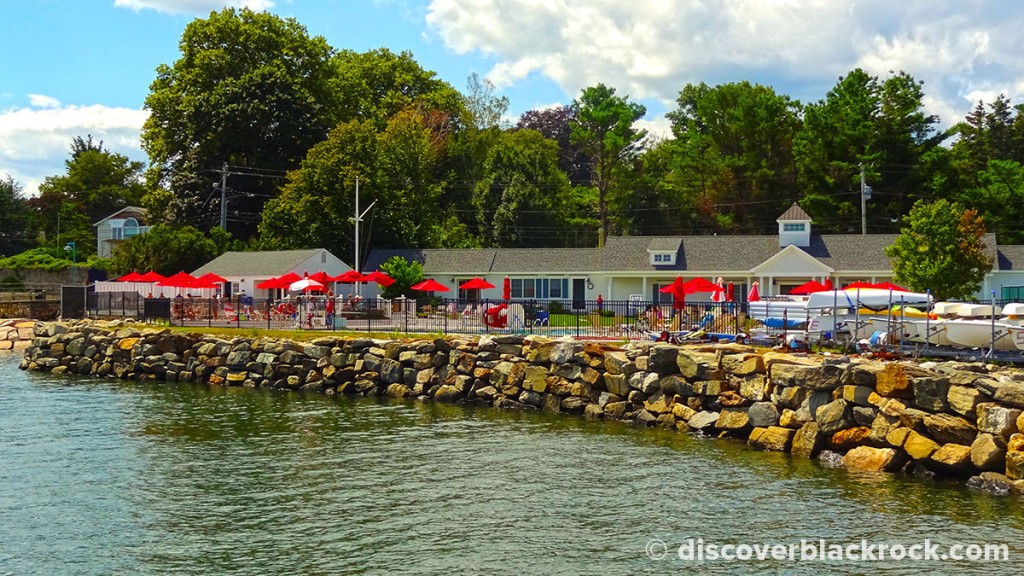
(329, 310)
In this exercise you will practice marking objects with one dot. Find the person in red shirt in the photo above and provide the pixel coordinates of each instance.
(329, 310)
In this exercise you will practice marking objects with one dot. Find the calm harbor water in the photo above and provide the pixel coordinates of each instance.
(109, 477)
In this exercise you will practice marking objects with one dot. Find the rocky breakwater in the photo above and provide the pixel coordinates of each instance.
(946, 419)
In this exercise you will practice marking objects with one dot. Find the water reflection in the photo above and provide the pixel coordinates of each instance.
(202, 480)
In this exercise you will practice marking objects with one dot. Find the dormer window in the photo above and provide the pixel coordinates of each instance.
(663, 258)
(794, 227)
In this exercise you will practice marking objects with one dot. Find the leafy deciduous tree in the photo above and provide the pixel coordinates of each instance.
(941, 248)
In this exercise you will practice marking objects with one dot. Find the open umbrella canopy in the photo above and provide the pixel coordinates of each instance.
(132, 276)
(152, 276)
(212, 278)
(204, 282)
(305, 284)
(701, 285)
(858, 284)
(890, 286)
(809, 288)
(380, 278)
(288, 278)
(320, 277)
(476, 284)
(349, 277)
(676, 288)
(430, 285)
(180, 280)
(271, 283)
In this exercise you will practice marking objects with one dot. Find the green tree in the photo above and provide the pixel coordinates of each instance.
(316, 203)
(736, 142)
(96, 183)
(523, 195)
(863, 121)
(999, 198)
(376, 85)
(250, 89)
(170, 250)
(16, 228)
(405, 273)
(941, 248)
(556, 124)
(603, 126)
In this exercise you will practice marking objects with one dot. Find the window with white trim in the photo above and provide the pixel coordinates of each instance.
(793, 226)
(541, 288)
(663, 257)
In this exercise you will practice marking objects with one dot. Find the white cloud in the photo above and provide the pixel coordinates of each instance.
(35, 141)
(193, 6)
(653, 48)
(41, 101)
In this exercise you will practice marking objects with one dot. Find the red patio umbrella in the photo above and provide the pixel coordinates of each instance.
(180, 280)
(305, 285)
(678, 291)
(380, 278)
(132, 276)
(828, 284)
(211, 277)
(152, 276)
(754, 295)
(890, 286)
(699, 284)
(203, 282)
(349, 277)
(506, 289)
(320, 277)
(858, 284)
(271, 284)
(430, 285)
(476, 284)
(809, 288)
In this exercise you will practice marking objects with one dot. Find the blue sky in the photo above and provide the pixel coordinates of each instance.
(84, 66)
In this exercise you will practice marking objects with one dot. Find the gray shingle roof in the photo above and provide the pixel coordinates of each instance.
(241, 264)
(738, 254)
(1010, 258)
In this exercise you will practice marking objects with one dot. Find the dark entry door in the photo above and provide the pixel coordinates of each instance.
(579, 293)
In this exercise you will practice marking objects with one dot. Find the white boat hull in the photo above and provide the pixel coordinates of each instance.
(978, 334)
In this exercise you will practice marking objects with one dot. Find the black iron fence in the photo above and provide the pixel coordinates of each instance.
(583, 319)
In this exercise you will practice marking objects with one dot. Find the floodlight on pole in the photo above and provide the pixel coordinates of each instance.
(72, 247)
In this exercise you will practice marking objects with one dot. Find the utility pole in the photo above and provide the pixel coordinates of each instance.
(224, 197)
(865, 195)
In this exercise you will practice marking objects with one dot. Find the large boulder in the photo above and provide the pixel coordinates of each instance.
(946, 428)
(807, 441)
(930, 394)
(772, 438)
(871, 459)
(964, 400)
(953, 458)
(988, 452)
(733, 419)
(918, 446)
(996, 419)
(763, 414)
(1011, 393)
(833, 417)
(703, 420)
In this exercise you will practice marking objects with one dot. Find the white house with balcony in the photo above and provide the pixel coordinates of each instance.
(118, 227)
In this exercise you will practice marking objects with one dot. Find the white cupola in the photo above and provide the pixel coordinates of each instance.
(794, 227)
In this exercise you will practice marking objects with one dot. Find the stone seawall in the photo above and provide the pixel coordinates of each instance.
(947, 419)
